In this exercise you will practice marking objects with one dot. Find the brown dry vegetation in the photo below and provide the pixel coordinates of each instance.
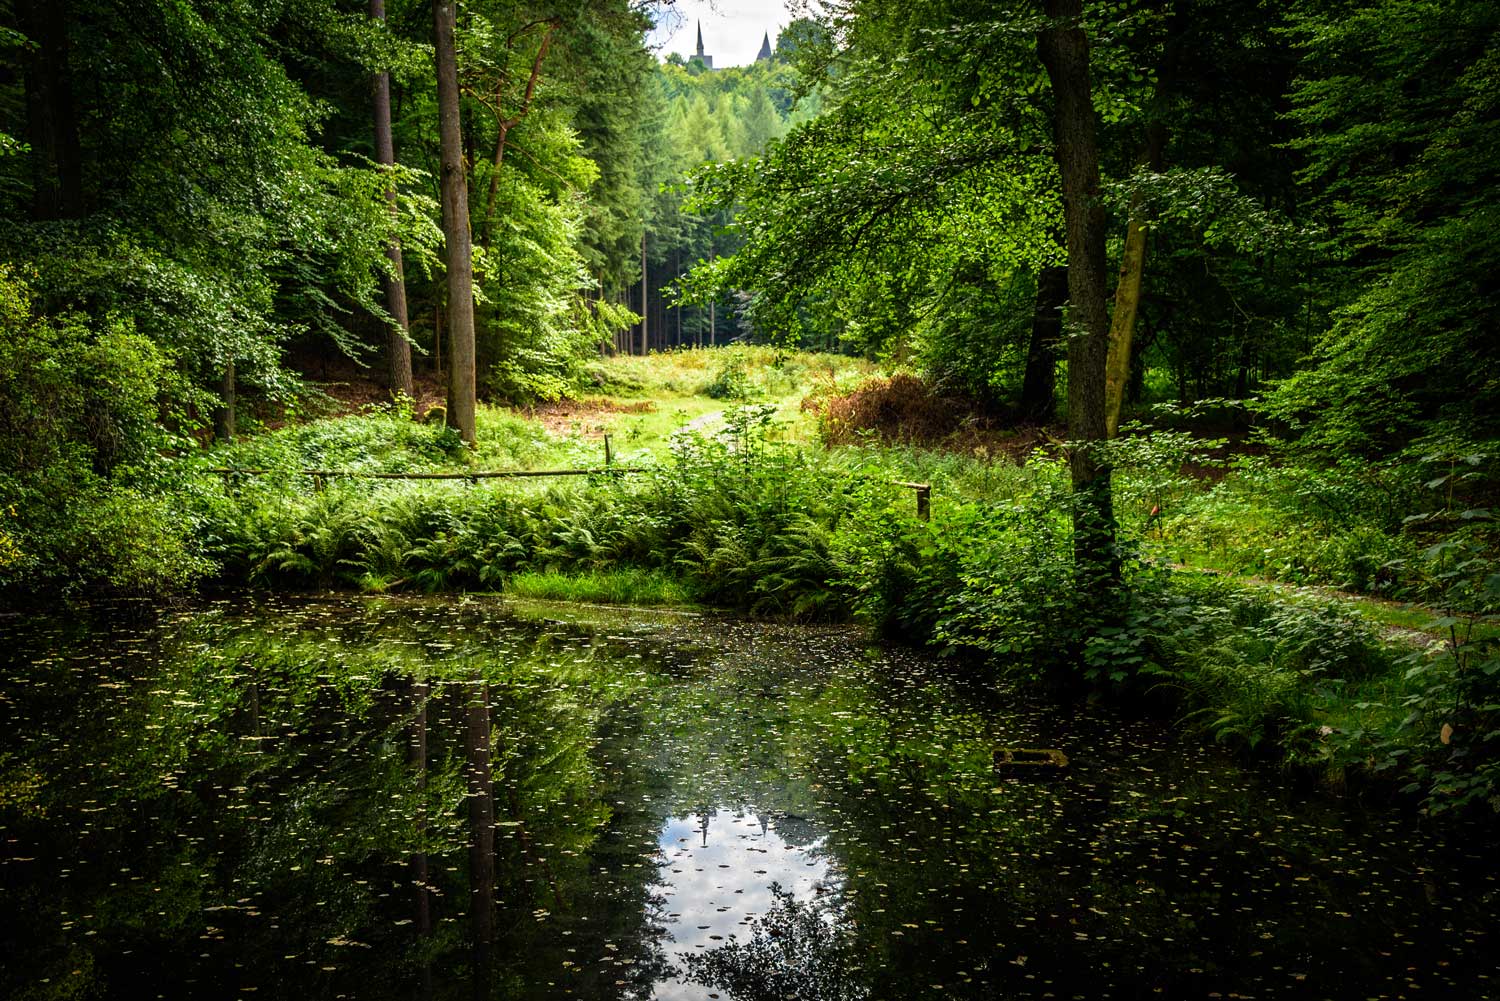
(907, 410)
(563, 416)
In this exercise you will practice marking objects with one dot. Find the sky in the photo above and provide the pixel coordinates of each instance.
(732, 29)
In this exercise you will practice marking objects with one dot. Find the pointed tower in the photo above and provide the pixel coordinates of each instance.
(707, 61)
(765, 48)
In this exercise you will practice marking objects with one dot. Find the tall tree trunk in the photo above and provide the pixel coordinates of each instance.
(461, 379)
(398, 347)
(224, 412)
(1039, 384)
(1128, 291)
(645, 299)
(1064, 51)
(51, 124)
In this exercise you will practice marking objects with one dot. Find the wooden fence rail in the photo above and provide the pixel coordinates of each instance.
(922, 490)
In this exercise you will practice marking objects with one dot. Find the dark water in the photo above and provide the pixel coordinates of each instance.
(398, 799)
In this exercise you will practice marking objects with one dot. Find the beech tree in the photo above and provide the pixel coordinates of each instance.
(458, 248)
(1064, 50)
(398, 347)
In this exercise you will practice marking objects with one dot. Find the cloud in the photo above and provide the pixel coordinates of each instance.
(732, 29)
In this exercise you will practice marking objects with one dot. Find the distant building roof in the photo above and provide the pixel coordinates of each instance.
(765, 48)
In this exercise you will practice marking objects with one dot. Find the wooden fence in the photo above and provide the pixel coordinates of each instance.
(922, 490)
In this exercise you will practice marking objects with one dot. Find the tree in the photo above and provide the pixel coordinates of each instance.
(1064, 50)
(1397, 104)
(398, 347)
(455, 196)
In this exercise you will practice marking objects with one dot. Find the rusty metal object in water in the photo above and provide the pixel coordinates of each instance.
(1027, 759)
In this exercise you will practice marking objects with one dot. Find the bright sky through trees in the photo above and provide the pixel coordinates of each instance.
(732, 29)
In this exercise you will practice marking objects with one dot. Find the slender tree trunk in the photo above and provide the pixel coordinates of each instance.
(504, 125)
(51, 123)
(1128, 293)
(398, 346)
(645, 300)
(1039, 384)
(461, 378)
(1122, 321)
(1064, 51)
(224, 413)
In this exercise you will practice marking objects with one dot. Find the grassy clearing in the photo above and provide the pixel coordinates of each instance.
(1265, 656)
(629, 586)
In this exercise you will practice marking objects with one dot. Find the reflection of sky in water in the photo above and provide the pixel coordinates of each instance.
(716, 875)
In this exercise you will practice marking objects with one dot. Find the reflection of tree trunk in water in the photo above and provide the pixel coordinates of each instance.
(513, 804)
(417, 756)
(255, 728)
(481, 833)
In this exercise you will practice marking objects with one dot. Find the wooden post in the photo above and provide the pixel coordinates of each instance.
(924, 497)
(609, 455)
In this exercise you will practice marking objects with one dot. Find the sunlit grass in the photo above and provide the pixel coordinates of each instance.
(609, 587)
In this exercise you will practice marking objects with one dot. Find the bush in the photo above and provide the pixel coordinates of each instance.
(82, 500)
(730, 382)
(902, 408)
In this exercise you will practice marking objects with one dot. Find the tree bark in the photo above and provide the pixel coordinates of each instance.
(398, 346)
(224, 413)
(1039, 384)
(645, 299)
(1122, 321)
(51, 122)
(1064, 51)
(458, 247)
(1128, 292)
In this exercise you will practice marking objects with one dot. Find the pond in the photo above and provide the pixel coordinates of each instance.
(330, 797)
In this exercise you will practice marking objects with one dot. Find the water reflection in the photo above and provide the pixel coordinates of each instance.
(396, 799)
(722, 871)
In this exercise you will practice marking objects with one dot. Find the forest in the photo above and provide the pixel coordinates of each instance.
(990, 364)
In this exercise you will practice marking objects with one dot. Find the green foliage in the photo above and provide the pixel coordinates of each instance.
(1397, 102)
(731, 382)
(79, 462)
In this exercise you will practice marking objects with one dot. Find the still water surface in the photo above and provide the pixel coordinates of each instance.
(375, 798)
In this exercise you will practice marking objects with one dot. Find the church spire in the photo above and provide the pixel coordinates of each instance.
(765, 48)
(706, 60)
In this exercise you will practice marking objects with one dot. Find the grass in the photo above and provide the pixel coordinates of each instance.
(629, 586)
(1265, 653)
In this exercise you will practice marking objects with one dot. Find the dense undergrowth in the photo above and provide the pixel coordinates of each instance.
(739, 520)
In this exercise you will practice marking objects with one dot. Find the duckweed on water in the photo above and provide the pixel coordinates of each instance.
(299, 799)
